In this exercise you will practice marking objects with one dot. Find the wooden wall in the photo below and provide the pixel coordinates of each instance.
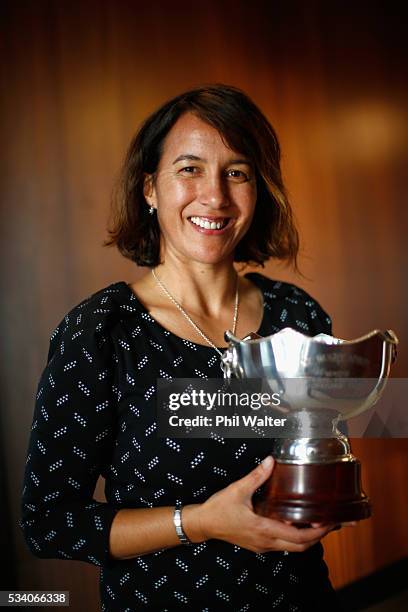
(76, 80)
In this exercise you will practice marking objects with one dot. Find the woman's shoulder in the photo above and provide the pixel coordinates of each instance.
(278, 289)
(307, 312)
(95, 315)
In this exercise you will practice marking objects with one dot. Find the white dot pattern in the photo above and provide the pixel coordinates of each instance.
(95, 414)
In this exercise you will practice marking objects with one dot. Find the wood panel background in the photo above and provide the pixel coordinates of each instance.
(76, 80)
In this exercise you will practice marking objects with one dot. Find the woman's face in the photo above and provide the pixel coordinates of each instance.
(204, 193)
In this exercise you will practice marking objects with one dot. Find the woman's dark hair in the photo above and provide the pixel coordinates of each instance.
(246, 130)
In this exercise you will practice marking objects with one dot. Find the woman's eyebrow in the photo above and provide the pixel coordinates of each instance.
(241, 161)
(190, 157)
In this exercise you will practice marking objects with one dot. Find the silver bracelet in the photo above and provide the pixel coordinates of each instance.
(179, 526)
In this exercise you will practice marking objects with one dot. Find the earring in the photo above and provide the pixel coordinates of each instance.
(151, 210)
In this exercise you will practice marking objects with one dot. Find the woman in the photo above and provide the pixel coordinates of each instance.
(201, 189)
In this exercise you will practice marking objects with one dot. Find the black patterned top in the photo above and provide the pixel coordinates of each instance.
(95, 414)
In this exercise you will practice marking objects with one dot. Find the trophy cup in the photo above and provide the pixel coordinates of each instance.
(321, 380)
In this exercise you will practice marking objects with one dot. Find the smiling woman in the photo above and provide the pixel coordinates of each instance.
(252, 150)
(201, 189)
(192, 199)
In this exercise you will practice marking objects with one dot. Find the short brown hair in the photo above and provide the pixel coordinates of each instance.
(246, 130)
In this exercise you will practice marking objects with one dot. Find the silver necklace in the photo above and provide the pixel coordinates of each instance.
(189, 319)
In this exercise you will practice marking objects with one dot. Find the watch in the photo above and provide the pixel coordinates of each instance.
(179, 526)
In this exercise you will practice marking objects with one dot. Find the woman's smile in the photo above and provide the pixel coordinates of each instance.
(203, 185)
(212, 226)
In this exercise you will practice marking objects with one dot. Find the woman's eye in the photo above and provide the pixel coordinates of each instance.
(189, 169)
(238, 174)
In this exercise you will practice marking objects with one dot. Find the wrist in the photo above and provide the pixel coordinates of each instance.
(192, 523)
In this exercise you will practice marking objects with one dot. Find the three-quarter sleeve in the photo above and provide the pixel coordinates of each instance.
(71, 441)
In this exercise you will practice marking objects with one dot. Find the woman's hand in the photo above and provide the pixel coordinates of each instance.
(229, 515)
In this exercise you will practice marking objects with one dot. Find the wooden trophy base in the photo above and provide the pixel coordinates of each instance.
(314, 493)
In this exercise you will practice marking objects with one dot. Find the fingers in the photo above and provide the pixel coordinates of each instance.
(293, 547)
(283, 545)
(337, 526)
(270, 528)
(267, 463)
(256, 477)
(329, 526)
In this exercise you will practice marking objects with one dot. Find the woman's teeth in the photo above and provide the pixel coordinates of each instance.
(205, 224)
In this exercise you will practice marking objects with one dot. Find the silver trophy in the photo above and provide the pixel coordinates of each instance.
(321, 380)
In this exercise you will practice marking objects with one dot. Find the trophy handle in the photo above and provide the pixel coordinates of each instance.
(389, 355)
(229, 360)
(391, 337)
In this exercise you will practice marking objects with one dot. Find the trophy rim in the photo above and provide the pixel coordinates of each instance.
(388, 335)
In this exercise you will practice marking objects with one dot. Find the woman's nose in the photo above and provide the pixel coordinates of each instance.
(213, 192)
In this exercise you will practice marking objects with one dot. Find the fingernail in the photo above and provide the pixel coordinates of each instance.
(266, 463)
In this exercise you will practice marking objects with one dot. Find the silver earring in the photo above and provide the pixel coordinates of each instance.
(151, 210)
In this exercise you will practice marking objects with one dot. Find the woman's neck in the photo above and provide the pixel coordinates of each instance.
(202, 288)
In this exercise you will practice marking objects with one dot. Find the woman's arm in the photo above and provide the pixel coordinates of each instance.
(71, 441)
(227, 515)
(144, 530)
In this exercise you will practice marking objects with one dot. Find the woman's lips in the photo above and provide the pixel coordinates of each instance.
(208, 224)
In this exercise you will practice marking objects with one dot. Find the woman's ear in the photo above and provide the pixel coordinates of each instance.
(148, 189)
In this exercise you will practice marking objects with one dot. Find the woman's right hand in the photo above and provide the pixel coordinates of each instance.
(229, 515)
